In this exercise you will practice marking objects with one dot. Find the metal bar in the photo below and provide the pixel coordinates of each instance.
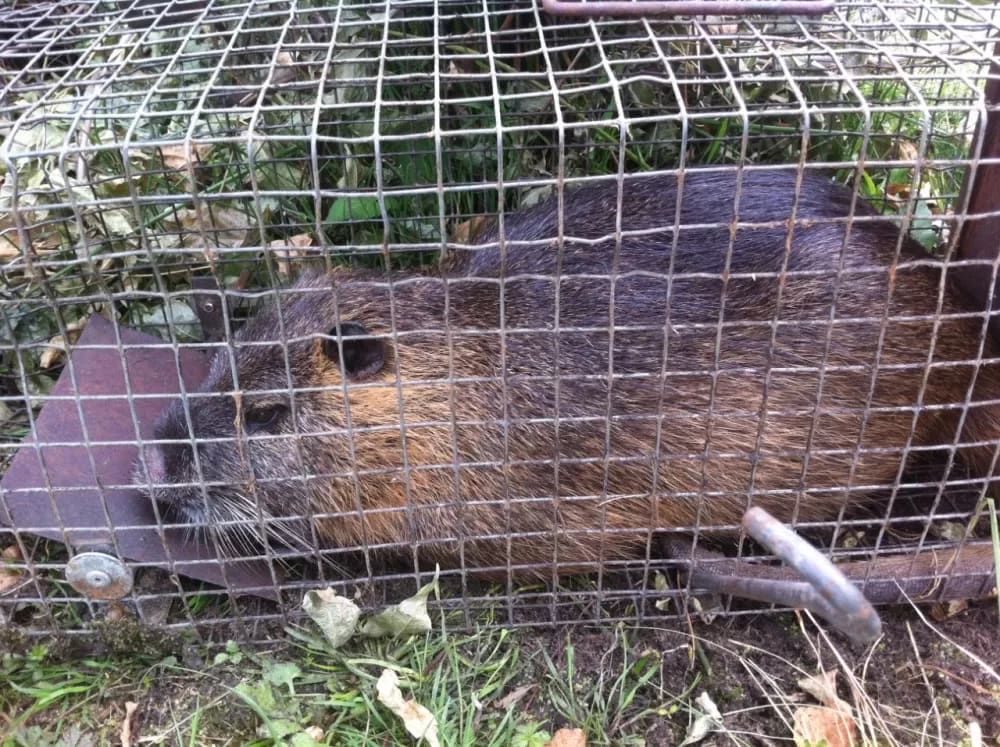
(934, 575)
(854, 614)
(623, 8)
(978, 238)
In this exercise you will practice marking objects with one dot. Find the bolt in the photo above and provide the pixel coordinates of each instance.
(98, 579)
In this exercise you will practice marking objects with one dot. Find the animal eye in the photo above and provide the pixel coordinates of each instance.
(265, 416)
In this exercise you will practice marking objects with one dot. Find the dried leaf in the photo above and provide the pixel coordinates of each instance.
(707, 720)
(946, 610)
(536, 194)
(833, 723)
(126, 733)
(952, 531)
(211, 228)
(568, 738)
(335, 615)
(406, 618)
(53, 353)
(467, 231)
(310, 737)
(286, 250)
(179, 157)
(116, 611)
(907, 150)
(816, 725)
(419, 722)
(823, 687)
(10, 577)
(57, 346)
(514, 697)
(176, 317)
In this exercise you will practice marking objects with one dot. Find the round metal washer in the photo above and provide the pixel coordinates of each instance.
(98, 575)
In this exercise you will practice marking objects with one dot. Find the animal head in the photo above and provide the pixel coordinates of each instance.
(269, 428)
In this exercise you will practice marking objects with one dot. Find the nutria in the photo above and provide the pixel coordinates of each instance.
(449, 446)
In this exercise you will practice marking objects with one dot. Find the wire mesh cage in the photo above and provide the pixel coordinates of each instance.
(528, 293)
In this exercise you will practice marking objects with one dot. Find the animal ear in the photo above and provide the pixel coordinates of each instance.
(363, 355)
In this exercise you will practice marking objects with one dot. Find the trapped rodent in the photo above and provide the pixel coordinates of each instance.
(478, 425)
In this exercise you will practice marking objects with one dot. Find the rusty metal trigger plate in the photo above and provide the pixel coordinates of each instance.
(71, 481)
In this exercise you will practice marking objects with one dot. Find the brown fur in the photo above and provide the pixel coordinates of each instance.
(483, 473)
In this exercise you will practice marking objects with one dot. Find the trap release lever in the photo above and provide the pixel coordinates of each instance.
(825, 590)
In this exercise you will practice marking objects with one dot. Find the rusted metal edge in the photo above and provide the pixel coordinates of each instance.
(623, 8)
(936, 575)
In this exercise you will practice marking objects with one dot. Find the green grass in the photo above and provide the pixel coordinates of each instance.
(462, 679)
(494, 687)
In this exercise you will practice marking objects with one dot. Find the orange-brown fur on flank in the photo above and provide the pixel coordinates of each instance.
(489, 432)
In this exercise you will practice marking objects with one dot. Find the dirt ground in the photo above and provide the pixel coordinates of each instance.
(921, 683)
(893, 675)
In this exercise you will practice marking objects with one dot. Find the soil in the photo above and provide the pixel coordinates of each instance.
(749, 665)
(893, 676)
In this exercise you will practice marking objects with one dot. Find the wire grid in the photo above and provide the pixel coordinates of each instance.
(147, 143)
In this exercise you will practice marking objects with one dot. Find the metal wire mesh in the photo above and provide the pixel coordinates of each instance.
(150, 143)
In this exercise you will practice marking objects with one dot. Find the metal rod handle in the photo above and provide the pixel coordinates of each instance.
(842, 603)
(624, 8)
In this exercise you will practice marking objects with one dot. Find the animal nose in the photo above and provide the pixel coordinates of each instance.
(156, 463)
(166, 462)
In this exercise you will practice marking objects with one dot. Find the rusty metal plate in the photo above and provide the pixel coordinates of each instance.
(76, 490)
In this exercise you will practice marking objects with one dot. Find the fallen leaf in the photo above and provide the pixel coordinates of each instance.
(57, 346)
(53, 353)
(568, 738)
(126, 733)
(335, 615)
(419, 722)
(406, 618)
(116, 611)
(211, 227)
(952, 531)
(467, 231)
(282, 673)
(816, 725)
(10, 579)
(832, 723)
(975, 734)
(945, 610)
(175, 317)
(707, 720)
(178, 157)
(907, 150)
(823, 687)
(314, 732)
(310, 737)
(286, 250)
(514, 697)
